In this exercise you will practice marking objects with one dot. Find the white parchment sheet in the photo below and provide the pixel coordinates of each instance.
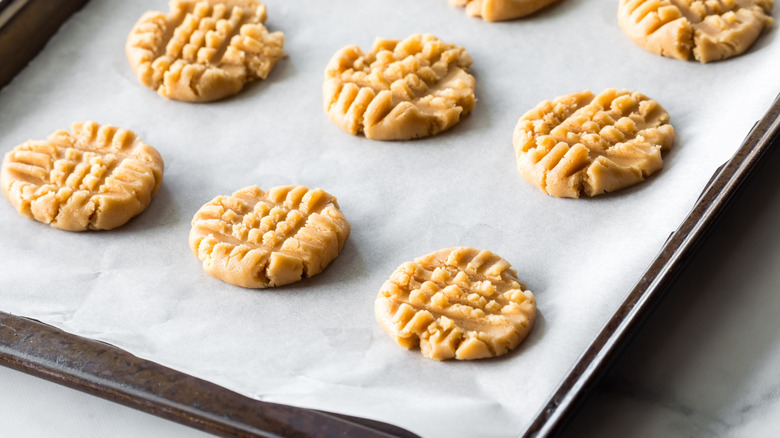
(316, 343)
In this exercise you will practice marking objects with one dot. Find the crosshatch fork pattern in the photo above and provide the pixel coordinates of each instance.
(708, 30)
(260, 239)
(203, 50)
(96, 177)
(458, 303)
(590, 144)
(399, 90)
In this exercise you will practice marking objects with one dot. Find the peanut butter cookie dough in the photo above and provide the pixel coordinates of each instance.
(459, 303)
(708, 30)
(260, 239)
(203, 50)
(586, 144)
(499, 10)
(92, 178)
(399, 90)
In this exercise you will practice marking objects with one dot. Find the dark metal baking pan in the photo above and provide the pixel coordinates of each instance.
(25, 27)
(114, 374)
(106, 371)
(679, 249)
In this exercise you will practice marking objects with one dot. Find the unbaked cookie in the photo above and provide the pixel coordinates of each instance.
(203, 50)
(259, 239)
(459, 303)
(710, 30)
(498, 10)
(582, 143)
(94, 177)
(399, 90)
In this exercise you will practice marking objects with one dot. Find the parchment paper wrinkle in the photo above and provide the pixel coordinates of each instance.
(315, 343)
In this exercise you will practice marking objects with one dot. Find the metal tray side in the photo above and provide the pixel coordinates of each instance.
(114, 374)
(679, 249)
(25, 27)
(105, 371)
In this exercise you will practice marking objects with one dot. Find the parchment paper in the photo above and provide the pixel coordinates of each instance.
(316, 343)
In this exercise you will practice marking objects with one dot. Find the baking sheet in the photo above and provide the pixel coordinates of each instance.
(315, 343)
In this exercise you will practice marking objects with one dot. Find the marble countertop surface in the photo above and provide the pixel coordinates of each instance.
(705, 363)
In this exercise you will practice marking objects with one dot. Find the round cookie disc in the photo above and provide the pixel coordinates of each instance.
(203, 50)
(260, 239)
(587, 144)
(400, 90)
(459, 303)
(706, 30)
(498, 10)
(94, 177)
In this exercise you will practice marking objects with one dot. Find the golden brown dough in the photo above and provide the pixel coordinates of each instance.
(456, 303)
(94, 177)
(499, 10)
(586, 144)
(203, 50)
(399, 90)
(708, 30)
(260, 239)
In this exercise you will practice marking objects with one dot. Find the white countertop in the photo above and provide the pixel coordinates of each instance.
(701, 350)
(705, 364)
